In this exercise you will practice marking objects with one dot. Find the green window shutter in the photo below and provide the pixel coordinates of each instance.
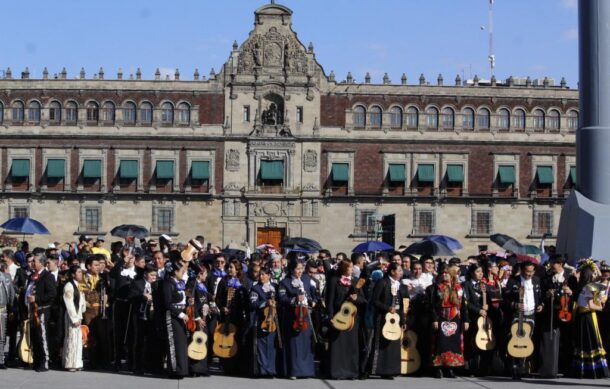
(20, 168)
(165, 170)
(573, 174)
(455, 173)
(128, 169)
(507, 175)
(397, 172)
(425, 173)
(545, 174)
(340, 172)
(92, 168)
(56, 168)
(200, 170)
(272, 170)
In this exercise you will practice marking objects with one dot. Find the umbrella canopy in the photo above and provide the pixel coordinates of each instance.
(429, 247)
(508, 243)
(527, 258)
(530, 249)
(302, 243)
(370, 246)
(235, 253)
(448, 241)
(25, 225)
(125, 230)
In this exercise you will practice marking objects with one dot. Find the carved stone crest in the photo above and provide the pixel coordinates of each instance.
(310, 161)
(272, 50)
(232, 160)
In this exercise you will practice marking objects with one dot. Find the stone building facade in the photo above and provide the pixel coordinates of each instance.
(273, 145)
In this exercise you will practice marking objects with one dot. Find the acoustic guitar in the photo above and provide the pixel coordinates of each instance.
(198, 349)
(224, 334)
(520, 344)
(391, 328)
(345, 319)
(410, 360)
(24, 351)
(485, 338)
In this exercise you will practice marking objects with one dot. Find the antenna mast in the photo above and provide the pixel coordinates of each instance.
(492, 56)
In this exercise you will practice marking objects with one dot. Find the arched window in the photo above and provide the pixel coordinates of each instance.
(108, 112)
(448, 118)
(376, 119)
(359, 117)
(93, 112)
(71, 112)
(412, 117)
(483, 119)
(184, 113)
(554, 120)
(1, 112)
(34, 112)
(572, 120)
(129, 113)
(146, 113)
(519, 120)
(504, 119)
(396, 117)
(167, 113)
(539, 120)
(432, 117)
(54, 112)
(18, 112)
(468, 118)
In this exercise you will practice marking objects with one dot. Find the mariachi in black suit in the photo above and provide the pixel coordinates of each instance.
(43, 286)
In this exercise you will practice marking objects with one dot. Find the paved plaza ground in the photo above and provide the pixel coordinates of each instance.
(17, 378)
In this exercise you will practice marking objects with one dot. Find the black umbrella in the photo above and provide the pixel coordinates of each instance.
(429, 247)
(235, 253)
(508, 243)
(125, 230)
(300, 243)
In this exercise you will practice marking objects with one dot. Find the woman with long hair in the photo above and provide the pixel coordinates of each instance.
(75, 305)
(474, 290)
(589, 354)
(449, 321)
(343, 345)
(263, 303)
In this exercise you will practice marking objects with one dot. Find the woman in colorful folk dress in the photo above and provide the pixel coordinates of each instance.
(589, 354)
(450, 321)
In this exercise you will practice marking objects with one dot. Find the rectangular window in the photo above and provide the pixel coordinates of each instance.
(412, 118)
(246, 113)
(71, 115)
(200, 176)
(91, 219)
(543, 223)
(271, 176)
(424, 222)
(299, 114)
(164, 220)
(481, 223)
(483, 121)
(54, 115)
(146, 115)
(129, 115)
(544, 181)
(366, 222)
(92, 114)
(455, 179)
(20, 211)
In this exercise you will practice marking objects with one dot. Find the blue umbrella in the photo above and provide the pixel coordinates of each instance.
(429, 247)
(370, 246)
(25, 225)
(448, 241)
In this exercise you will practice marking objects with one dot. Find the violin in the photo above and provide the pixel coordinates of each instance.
(191, 324)
(269, 322)
(564, 313)
(300, 322)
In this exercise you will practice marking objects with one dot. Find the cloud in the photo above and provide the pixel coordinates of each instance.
(570, 4)
(570, 34)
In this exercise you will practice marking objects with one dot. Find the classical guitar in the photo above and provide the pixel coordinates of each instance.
(485, 339)
(391, 329)
(24, 351)
(520, 344)
(198, 348)
(410, 360)
(224, 335)
(345, 318)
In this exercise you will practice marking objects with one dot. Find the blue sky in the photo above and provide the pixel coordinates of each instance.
(534, 38)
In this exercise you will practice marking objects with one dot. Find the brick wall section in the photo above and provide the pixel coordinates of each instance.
(148, 169)
(369, 174)
(4, 172)
(74, 168)
(332, 110)
(110, 172)
(182, 170)
(219, 168)
(211, 108)
(38, 169)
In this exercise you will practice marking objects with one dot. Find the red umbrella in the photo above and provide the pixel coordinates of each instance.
(527, 258)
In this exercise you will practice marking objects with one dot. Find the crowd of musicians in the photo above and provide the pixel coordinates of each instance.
(178, 309)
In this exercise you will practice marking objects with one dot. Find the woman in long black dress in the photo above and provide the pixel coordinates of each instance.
(263, 295)
(172, 305)
(450, 321)
(297, 293)
(201, 300)
(234, 310)
(343, 345)
(474, 288)
(387, 298)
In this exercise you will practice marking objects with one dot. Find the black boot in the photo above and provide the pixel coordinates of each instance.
(438, 373)
(450, 373)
